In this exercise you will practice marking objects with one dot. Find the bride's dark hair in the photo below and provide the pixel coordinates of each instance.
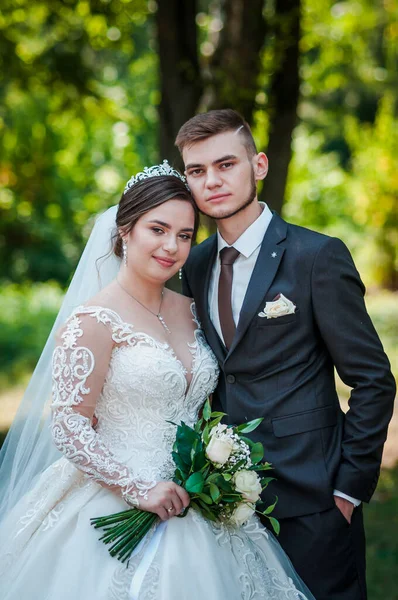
(146, 195)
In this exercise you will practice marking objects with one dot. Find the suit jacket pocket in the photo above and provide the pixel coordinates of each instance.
(284, 320)
(305, 421)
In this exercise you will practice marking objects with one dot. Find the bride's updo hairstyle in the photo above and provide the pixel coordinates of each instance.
(145, 195)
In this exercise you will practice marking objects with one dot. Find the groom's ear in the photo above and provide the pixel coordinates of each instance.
(260, 166)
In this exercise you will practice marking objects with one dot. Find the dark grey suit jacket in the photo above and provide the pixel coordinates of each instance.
(282, 369)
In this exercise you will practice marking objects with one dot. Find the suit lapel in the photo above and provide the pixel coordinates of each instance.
(207, 261)
(265, 269)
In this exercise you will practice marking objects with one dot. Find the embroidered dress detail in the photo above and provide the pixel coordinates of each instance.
(72, 432)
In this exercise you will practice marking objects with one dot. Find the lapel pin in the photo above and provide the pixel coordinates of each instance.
(274, 255)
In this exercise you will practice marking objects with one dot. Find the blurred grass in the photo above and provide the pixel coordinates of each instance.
(27, 313)
(381, 523)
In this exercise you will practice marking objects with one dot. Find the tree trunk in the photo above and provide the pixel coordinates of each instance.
(284, 95)
(180, 76)
(236, 63)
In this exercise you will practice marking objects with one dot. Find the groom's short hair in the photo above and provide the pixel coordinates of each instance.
(205, 125)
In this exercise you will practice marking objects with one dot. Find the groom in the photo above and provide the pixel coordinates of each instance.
(281, 307)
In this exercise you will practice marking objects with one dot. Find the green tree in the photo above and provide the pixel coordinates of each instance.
(74, 120)
(342, 180)
(374, 191)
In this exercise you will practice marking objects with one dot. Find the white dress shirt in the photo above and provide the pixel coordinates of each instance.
(248, 244)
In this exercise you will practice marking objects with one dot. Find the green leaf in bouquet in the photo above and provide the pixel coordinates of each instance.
(184, 452)
(214, 477)
(275, 525)
(185, 439)
(225, 486)
(193, 449)
(207, 410)
(270, 508)
(249, 426)
(215, 492)
(185, 432)
(257, 452)
(265, 481)
(178, 477)
(214, 422)
(231, 497)
(217, 414)
(205, 471)
(205, 498)
(199, 461)
(263, 467)
(206, 434)
(218, 480)
(204, 509)
(182, 466)
(227, 476)
(195, 483)
(198, 425)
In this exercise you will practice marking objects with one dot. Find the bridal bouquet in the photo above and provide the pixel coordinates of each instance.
(219, 468)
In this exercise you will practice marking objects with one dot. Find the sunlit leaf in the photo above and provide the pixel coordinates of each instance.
(195, 483)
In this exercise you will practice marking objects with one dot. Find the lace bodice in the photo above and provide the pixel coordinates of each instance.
(135, 385)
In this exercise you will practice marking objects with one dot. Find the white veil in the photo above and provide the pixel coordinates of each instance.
(28, 448)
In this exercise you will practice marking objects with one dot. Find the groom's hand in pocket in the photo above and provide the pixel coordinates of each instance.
(345, 507)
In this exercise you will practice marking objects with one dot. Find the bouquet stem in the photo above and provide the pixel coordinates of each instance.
(124, 530)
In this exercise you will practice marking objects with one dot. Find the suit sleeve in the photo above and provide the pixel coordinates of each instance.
(358, 355)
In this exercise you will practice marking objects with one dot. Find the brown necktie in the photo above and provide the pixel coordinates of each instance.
(227, 256)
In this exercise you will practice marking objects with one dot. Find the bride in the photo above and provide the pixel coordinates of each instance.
(129, 359)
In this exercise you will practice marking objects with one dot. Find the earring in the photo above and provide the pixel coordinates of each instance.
(124, 246)
(180, 274)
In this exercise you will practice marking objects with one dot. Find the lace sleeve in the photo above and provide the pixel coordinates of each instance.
(80, 364)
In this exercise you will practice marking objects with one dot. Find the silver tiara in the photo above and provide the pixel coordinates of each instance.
(155, 171)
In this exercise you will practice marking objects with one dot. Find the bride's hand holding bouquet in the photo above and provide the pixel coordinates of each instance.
(217, 474)
(166, 499)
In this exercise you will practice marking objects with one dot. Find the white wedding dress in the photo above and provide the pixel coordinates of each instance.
(49, 550)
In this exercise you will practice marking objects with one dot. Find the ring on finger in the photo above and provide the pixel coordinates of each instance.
(170, 509)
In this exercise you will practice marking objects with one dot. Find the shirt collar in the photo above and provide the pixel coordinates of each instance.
(250, 239)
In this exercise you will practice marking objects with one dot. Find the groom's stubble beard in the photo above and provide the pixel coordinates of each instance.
(250, 198)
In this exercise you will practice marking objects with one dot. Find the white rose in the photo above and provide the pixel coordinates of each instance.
(278, 308)
(220, 428)
(248, 483)
(219, 449)
(242, 513)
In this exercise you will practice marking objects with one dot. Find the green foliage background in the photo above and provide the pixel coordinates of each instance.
(77, 117)
(79, 91)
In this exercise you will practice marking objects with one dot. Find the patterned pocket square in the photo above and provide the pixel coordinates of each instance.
(279, 307)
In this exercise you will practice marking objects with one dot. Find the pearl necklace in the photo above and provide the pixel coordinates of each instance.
(157, 315)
